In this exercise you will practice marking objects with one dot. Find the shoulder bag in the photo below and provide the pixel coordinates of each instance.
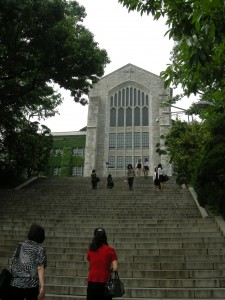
(5, 279)
(114, 287)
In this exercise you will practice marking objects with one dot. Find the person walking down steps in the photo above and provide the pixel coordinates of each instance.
(110, 183)
(130, 176)
(156, 179)
(94, 179)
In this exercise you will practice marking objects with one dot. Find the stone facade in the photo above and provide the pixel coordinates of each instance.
(123, 105)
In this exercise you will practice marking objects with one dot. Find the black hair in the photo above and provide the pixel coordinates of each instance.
(130, 165)
(93, 171)
(36, 233)
(99, 239)
(159, 166)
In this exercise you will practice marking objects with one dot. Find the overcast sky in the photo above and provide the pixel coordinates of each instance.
(127, 38)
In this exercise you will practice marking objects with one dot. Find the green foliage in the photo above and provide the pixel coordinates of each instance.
(197, 64)
(43, 46)
(66, 162)
(184, 144)
(25, 153)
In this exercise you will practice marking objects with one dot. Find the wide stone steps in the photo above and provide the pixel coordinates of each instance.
(165, 249)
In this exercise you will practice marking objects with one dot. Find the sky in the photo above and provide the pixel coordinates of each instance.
(127, 38)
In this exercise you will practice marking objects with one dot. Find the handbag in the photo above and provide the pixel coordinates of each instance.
(5, 279)
(97, 179)
(114, 286)
(165, 178)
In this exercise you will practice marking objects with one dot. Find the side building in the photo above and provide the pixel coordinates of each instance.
(68, 154)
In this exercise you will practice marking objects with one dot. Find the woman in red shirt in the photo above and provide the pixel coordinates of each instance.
(101, 258)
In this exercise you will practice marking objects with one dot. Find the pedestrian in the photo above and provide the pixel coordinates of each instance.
(28, 267)
(160, 172)
(94, 179)
(138, 168)
(146, 167)
(101, 258)
(156, 179)
(110, 183)
(130, 176)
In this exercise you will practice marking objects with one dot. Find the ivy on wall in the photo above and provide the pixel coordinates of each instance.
(66, 160)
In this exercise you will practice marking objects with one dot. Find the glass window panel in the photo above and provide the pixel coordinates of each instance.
(112, 141)
(121, 117)
(135, 97)
(120, 163)
(115, 100)
(131, 96)
(80, 151)
(145, 116)
(123, 97)
(120, 141)
(113, 117)
(143, 98)
(127, 96)
(111, 161)
(147, 100)
(145, 140)
(129, 117)
(128, 140)
(137, 140)
(75, 151)
(79, 171)
(128, 160)
(119, 100)
(111, 101)
(139, 98)
(137, 118)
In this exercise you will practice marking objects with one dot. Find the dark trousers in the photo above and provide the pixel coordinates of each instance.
(21, 294)
(96, 291)
(130, 182)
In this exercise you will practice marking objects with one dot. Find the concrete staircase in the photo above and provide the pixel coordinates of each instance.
(166, 250)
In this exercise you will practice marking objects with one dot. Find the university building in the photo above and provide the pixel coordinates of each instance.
(126, 120)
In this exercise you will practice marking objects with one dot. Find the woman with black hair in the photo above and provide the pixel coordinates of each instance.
(28, 267)
(101, 258)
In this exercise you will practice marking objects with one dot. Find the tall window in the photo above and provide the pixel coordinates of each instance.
(120, 141)
(120, 163)
(145, 116)
(120, 117)
(128, 140)
(113, 117)
(129, 107)
(137, 140)
(112, 141)
(137, 117)
(128, 160)
(129, 117)
(111, 162)
(145, 140)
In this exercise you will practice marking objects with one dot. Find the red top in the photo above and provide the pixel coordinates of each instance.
(100, 263)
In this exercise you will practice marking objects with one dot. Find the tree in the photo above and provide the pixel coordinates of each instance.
(43, 44)
(198, 65)
(184, 144)
(25, 153)
(198, 55)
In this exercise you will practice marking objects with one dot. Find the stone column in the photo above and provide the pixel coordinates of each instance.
(91, 137)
